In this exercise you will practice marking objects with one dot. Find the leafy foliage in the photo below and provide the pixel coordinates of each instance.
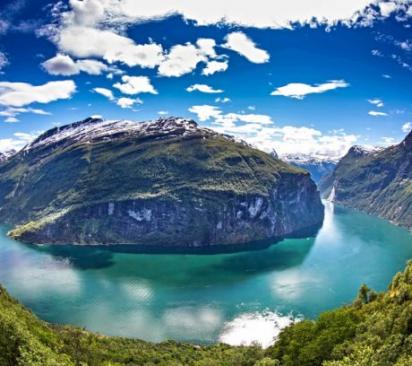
(376, 330)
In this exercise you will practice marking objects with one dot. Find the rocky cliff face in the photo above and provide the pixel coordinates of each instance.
(166, 183)
(376, 181)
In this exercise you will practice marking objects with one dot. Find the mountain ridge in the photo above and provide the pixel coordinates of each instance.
(154, 182)
(378, 182)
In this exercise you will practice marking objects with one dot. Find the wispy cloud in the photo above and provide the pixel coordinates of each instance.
(203, 88)
(300, 90)
(377, 114)
(376, 102)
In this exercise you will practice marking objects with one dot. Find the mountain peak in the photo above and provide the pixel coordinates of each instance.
(95, 128)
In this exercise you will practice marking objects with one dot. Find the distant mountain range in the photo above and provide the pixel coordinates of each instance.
(165, 183)
(377, 181)
(318, 168)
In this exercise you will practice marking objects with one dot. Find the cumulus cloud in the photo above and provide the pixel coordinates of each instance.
(207, 46)
(66, 66)
(81, 41)
(242, 44)
(11, 113)
(260, 131)
(376, 102)
(16, 94)
(182, 59)
(213, 67)
(125, 102)
(407, 127)
(300, 90)
(206, 112)
(203, 88)
(259, 13)
(105, 92)
(387, 8)
(17, 142)
(377, 114)
(135, 85)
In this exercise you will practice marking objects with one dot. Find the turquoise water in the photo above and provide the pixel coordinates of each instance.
(203, 298)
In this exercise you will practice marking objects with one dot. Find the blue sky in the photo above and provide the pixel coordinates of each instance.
(301, 77)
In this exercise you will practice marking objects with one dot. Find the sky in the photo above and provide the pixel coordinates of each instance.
(307, 77)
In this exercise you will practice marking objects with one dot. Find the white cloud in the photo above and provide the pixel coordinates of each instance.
(222, 100)
(205, 112)
(203, 88)
(407, 127)
(300, 90)
(135, 85)
(122, 102)
(17, 94)
(260, 131)
(377, 102)
(377, 114)
(377, 53)
(11, 113)
(181, 59)
(386, 76)
(127, 102)
(18, 141)
(66, 66)
(213, 67)
(3, 60)
(207, 46)
(105, 92)
(240, 43)
(83, 41)
(387, 8)
(387, 141)
(259, 13)
(163, 113)
(405, 45)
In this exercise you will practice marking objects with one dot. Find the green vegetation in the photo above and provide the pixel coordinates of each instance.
(378, 183)
(376, 330)
(59, 192)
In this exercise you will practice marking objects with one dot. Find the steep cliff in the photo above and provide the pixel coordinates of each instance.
(164, 183)
(377, 181)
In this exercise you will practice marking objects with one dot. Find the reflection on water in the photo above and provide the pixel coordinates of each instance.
(203, 298)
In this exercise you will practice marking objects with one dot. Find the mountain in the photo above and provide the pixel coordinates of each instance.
(377, 181)
(6, 155)
(374, 330)
(318, 168)
(164, 183)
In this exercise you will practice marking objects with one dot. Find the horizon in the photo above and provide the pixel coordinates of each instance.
(311, 82)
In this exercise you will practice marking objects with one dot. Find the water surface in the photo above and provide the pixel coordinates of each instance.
(203, 298)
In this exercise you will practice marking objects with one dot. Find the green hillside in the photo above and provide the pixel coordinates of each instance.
(167, 181)
(379, 183)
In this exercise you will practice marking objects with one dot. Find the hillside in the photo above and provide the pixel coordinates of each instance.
(375, 330)
(378, 182)
(159, 183)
